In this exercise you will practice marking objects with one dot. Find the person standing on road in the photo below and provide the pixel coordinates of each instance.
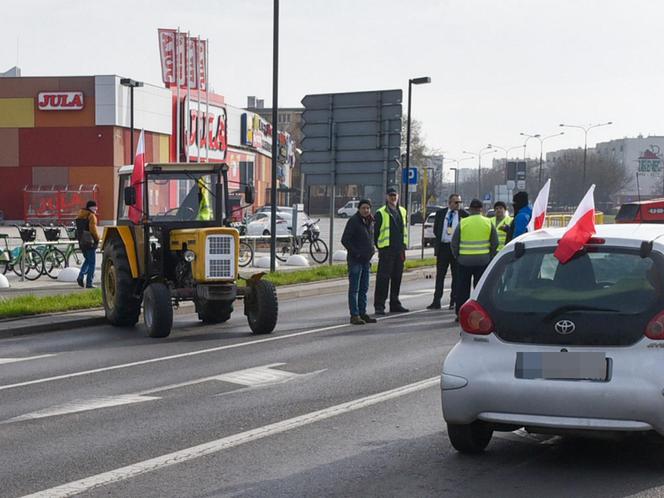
(502, 221)
(391, 238)
(444, 225)
(358, 239)
(474, 243)
(522, 214)
(88, 240)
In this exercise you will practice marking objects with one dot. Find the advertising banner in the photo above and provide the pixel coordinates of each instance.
(191, 55)
(192, 63)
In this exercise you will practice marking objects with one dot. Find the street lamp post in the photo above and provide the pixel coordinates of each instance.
(541, 141)
(585, 129)
(479, 167)
(128, 82)
(456, 178)
(413, 81)
(275, 111)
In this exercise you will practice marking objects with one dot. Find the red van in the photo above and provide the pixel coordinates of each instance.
(651, 211)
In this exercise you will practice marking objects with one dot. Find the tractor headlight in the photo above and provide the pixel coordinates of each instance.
(189, 256)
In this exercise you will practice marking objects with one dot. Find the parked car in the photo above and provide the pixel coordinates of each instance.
(429, 237)
(416, 216)
(651, 211)
(561, 348)
(261, 224)
(349, 209)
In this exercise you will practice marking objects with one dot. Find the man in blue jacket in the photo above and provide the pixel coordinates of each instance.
(522, 215)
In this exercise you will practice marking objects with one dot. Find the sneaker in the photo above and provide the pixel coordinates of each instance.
(90, 286)
(380, 312)
(398, 309)
(368, 319)
(356, 320)
(434, 306)
(79, 281)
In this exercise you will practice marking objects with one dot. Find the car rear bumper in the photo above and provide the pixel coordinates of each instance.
(479, 382)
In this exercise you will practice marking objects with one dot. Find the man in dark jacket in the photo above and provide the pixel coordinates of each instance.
(522, 214)
(358, 241)
(444, 225)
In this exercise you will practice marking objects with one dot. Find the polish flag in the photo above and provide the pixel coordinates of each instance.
(539, 208)
(137, 176)
(579, 230)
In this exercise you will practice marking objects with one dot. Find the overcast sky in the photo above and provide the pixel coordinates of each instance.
(498, 67)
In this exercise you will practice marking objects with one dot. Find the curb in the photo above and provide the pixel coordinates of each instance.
(59, 321)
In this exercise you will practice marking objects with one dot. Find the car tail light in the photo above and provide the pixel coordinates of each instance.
(655, 327)
(474, 319)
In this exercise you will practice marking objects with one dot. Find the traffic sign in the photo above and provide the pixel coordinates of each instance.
(412, 176)
(351, 138)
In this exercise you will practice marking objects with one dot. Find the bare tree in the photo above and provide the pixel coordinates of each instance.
(608, 175)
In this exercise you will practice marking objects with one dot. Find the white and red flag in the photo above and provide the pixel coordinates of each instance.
(579, 230)
(137, 176)
(539, 208)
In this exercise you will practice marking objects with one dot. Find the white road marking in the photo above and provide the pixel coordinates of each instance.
(4, 361)
(191, 353)
(81, 406)
(211, 447)
(250, 377)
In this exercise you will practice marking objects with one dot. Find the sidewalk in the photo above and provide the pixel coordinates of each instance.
(87, 318)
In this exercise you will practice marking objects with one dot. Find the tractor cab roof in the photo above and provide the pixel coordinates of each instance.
(174, 168)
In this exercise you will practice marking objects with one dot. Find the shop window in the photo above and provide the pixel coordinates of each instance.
(246, 172)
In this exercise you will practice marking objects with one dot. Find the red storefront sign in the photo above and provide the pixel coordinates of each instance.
(60, 101)
(207, 130)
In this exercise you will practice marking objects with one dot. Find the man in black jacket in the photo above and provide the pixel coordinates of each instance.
(443, 228)
(358, 241)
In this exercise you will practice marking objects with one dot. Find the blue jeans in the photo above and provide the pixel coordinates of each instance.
(88, 266)
(358, 278)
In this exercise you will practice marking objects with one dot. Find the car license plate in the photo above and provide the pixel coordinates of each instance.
(561, 366)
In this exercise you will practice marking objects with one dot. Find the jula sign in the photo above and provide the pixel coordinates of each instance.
(60, 101)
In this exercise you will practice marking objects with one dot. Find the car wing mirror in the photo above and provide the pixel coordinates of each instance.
(249, 194)
(130, 196)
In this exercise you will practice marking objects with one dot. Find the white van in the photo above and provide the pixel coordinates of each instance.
(349, 209)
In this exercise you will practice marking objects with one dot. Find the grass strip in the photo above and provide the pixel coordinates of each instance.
(33, 305)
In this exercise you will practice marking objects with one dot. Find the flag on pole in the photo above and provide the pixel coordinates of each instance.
(137, 176)
(539, 208)
(579, 230)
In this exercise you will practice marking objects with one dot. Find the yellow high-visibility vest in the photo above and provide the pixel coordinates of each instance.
(502, 235)
(475, 235)
(384, 233)
(204, 209)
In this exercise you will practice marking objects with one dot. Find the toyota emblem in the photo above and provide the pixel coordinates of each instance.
(564, 327)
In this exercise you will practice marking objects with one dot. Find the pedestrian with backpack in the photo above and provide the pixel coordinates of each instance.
(88, 240)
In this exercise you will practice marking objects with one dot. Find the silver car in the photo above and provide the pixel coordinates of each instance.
(553, 348)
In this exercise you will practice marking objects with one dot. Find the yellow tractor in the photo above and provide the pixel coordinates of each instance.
(181, 249)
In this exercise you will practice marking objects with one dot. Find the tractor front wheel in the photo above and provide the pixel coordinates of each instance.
(157, 310)
(261, 307)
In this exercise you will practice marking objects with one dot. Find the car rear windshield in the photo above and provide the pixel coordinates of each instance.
(628, 212)
(537, 282)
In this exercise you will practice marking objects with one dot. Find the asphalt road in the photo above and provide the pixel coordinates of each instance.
(319, 408)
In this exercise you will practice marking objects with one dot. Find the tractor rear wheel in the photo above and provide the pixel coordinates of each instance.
(118, 289)
(214, 311)
(262, 307)
(157, 310)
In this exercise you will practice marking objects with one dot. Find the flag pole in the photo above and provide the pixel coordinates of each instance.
(207, 102)
(187, 117)
(177, 98)
(198, 98)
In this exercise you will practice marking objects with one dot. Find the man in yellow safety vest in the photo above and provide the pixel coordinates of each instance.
(474, 243)
(391, 239)
(502, 221)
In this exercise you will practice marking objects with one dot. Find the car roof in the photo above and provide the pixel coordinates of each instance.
(624, 234)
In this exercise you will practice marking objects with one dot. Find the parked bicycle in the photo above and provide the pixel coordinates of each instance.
(54, 259)
(73, 253)
(24, 262)
(246, 255)
(317, 247)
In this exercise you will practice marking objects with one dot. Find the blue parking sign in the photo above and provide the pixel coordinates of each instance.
(412, 177)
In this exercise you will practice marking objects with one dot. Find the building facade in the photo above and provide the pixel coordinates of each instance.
(63, 140)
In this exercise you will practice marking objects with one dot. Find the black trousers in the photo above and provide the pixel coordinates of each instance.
(467, 274)
(388, 277)
(444, 260)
